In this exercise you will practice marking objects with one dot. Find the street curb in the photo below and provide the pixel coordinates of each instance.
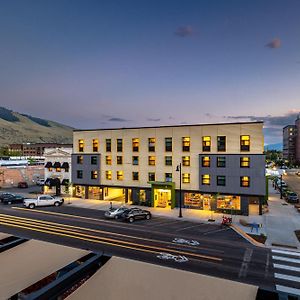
(247, 237)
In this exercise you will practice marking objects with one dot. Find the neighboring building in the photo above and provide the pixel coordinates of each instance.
(291, 142)
(222, 166)
(34, 149)
(57, 170)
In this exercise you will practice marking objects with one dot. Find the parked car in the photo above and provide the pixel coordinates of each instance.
(44, 200)
(22, 185)
(115, 213)
(136, 213)
(292, 197)
(40, 182)
(12, 199)
(3, 195)
(297, 173)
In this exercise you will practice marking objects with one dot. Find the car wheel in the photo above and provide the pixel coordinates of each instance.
(31, 205)
(148, 217)
(131, 219)
(9, 202)
(116, 217)
(56, 203)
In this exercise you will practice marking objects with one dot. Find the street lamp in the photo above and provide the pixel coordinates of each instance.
(178, 169)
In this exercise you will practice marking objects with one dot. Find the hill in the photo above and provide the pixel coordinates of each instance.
(21, 128)
(277, 147)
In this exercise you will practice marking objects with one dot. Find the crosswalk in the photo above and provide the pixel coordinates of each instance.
(286, 266)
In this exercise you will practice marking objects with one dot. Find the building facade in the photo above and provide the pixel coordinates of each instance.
(221, 166)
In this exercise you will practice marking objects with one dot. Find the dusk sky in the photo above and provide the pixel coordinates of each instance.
(98, 64)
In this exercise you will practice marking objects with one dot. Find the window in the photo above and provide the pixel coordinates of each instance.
(119, 175)
(135, 175)
(245, 162)
(108, 175)
(94, 160)
(206, 143)
(245, 142)
(151, 144)
(79, 174)
(79, 159)
(221, 140)
(108, 145)
(119, 160)
(108, 159)
(135, 145)
(151, 176)
(94, 174)
(186, 177)
(168, 144)
(229, 202)
(206, 161)
(168, 160)
(119, 145)
(151, 160)
(206, 179)
(58, 169)
(168, 177)
(221, 162)
(186, 161)
(95, 145)
(221, 180)
(135, 160)
(186, 143)
(80, 145)
(245, 181)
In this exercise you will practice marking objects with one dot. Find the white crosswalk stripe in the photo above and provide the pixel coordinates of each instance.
(292, 253)
(282, 258)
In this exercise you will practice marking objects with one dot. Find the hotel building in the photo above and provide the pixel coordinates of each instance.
(222, 166)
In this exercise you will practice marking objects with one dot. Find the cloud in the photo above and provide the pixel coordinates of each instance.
(184, 31)
(153, 119)
(115, 119)
(274, 44)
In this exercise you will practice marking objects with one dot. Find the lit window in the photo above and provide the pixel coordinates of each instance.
(79, 174)
(221, 162)
(221, 180)
(245, 181)
(135, 160)
(80, 159)
(119, 175)
(221, 140)
(95, 145)
(80, 145)
(151, 160)
(108, 145)
(151, 176)
(206, 161)
(206, 179)
(108, 175)
(186, 177)
(186, 143)
(168, 144)
(135, 145)
(245, 142)
(229, 202)
(58, 169)
(206, 143)
(151, 144)
(168, 160)
(94, 174)
(168, 177)
(119, 145)
(245, 162)
(135, 175)
(108, 159)
(186, 161)
(119, 160)
(94, 160)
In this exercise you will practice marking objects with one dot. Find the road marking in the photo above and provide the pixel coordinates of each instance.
(285, 267)
(267, 265)
(287, 290)
(189, 227)
(292, 260)
(287, 277)
(165, 223)
(217, 230)
(60, 230)
(245, 263)
(292, 253)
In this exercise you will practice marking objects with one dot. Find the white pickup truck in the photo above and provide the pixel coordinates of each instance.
(43, 200)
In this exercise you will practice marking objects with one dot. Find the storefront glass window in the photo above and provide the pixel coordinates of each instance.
(229, 202)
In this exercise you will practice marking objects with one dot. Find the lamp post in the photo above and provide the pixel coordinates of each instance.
(281, 186)
(178, 169)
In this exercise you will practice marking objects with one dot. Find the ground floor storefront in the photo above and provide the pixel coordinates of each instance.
(164, 195)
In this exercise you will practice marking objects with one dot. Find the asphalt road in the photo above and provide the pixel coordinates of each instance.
(214, 251)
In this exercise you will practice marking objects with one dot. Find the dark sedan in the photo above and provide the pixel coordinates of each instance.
(12, 199)
(4, 195)
(136, 213)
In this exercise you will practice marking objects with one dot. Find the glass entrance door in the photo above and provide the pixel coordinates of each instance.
(162, 198)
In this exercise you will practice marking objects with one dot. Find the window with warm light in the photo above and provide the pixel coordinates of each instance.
(186, 177)
(80, 145)
(108, 145)
(206, 161)
(135, 145)
(94, 174)
(119, 160)
(206, 143)
(221, 161)
(245, 162)
(186, 161)
(229, 202)
(135, 160)
(108, 160)
(151, 144)
(79, 159)
(95, 145)
(245, 181)
(168, 144)
(221, 143)
(206, 179)
(168, 160)
(245, 142)
(119, 145)
(168, 177)
(108, 175)
(151, 176)
(186, 144)
(151, 160)
(58, 169)
(119, 175)
(135, 175)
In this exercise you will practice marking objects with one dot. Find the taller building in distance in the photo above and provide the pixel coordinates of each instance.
(222, 166)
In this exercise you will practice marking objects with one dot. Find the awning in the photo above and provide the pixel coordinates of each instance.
(65, 165)
(48, 164)
(57, 165)
(65, 182)
(52, 182)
